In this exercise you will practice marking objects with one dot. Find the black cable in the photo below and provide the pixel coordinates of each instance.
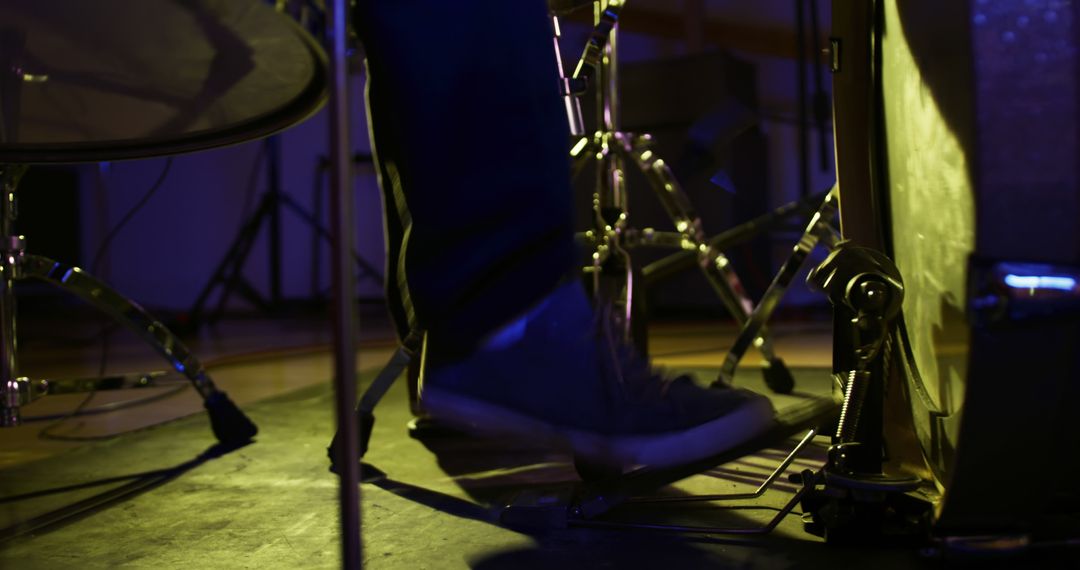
(107, 242)
(106, 332)
(110, 407)
(80, 410)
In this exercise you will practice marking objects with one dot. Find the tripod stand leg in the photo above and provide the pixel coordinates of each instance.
(818, 229)
(366, 269)
(229, 272)
(713, 263)
(229, 424)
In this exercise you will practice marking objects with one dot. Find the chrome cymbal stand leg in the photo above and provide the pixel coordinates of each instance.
(819, 229)
(229, 424)
(714, 265)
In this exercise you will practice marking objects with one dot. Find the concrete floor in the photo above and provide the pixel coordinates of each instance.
(165, 496)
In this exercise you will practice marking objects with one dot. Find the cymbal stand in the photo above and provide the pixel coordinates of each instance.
(612, 237)
(228, 422)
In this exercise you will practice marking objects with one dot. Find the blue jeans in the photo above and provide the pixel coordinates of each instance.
(471, 142)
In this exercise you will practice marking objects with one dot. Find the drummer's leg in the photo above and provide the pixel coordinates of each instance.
(471, 139)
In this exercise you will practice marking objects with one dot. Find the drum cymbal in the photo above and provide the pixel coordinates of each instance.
(87, 81)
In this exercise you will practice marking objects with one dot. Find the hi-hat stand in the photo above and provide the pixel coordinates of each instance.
(617, 278)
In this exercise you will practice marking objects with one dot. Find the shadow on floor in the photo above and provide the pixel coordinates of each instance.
(130, 486)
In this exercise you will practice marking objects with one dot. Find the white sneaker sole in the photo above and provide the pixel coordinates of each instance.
(659, 450)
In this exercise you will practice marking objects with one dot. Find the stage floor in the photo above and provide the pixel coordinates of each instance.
(161, 495)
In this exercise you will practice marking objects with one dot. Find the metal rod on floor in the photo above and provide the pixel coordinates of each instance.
(752, 530)
(764, 486)
(341, 220)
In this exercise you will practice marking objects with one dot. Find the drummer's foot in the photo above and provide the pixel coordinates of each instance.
(561, 377)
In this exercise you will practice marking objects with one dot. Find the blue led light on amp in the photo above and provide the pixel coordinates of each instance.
(1040, 282)
(1015, 292)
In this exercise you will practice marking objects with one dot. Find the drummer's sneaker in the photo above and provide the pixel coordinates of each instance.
(559, 376)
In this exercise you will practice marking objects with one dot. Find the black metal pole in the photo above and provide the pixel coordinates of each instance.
(341, 227)
(821, 103)
(800, 62)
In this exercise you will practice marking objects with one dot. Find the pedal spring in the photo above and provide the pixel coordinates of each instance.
(854, 396)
